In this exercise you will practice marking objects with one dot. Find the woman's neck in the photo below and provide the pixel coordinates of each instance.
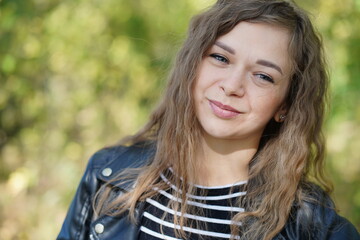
(222, 161)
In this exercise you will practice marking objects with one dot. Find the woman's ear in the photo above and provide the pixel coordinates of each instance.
(280, 115)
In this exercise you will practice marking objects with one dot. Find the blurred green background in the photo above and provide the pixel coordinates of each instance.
(77, 75)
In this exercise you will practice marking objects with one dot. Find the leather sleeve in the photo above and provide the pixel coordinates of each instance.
(332, 226)
(342, 230)
(318, 220)
(80, 213)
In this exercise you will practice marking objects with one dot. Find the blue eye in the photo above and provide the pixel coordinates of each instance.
(219, 58)
(265, 77)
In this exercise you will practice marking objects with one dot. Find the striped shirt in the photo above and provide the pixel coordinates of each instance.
(215, 208)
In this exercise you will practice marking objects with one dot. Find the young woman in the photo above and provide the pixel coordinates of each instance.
(234, 150)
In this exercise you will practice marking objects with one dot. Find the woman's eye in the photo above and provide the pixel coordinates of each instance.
(219, 58)
(265, 77)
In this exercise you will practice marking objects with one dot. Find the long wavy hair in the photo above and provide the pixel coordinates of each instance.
(291, 154)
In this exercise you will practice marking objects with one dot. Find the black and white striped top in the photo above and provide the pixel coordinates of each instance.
(216, 209)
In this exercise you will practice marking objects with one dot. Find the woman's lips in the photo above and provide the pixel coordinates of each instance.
(223, 111)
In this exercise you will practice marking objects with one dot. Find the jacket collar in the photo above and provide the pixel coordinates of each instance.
(121, 158)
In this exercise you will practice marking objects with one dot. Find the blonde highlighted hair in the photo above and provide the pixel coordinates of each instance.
(291, 154)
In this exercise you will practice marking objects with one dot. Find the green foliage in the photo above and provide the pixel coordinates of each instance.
(339, 26)
(77, 75)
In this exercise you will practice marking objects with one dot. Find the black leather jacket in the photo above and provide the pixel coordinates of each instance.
(80, 224)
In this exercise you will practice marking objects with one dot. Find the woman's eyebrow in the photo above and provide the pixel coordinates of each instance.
(269, 64)
(225, 47)
(262, 62)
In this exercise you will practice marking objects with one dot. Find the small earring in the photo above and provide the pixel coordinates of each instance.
(282, 117)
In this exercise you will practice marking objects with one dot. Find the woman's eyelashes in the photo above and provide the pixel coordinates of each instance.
(265, 77)
(219, 57)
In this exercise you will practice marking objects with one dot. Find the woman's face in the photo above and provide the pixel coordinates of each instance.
(242, 82)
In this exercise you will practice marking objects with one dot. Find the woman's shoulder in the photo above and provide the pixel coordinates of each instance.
(316, 217)
(106, 164)
(118, 157)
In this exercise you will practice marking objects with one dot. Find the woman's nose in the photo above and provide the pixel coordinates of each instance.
(233, 84)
